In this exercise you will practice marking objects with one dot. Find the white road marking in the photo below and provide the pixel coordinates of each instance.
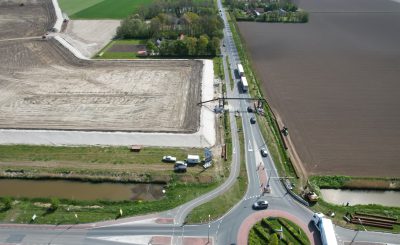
(249, 146)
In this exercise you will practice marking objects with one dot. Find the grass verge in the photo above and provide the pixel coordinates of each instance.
(232, 83)
(23, 209)
(229, 198)
(218, 68)
(91, 154)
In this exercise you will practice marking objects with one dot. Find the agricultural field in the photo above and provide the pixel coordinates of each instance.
(43, 86)
(100, 9)
(334, 84)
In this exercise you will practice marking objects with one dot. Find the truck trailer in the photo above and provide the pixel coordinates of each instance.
(240, 70)
(325, 227)
(245, 85)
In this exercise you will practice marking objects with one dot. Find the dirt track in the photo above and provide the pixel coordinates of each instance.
(42, 86)
(335, 84)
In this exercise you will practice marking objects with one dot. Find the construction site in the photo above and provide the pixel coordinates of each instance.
(45, 86)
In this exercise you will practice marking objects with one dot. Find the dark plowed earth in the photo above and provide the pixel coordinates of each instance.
(43, 86)
(335, 82)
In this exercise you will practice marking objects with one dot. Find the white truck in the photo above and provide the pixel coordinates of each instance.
(325, 227)
(245, 85)
(240, 70)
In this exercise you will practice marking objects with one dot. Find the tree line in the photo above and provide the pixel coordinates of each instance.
(165, 20)
(188, 46)
(274, 11)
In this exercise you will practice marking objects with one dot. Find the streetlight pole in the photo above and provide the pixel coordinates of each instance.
(208, 241)
(358, 230)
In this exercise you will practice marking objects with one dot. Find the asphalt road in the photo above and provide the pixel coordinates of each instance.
(222, 231)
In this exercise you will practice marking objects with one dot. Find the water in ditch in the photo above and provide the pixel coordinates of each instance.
(353, 197)
(79, 190)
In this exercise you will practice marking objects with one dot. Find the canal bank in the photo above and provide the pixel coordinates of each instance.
(344, 209)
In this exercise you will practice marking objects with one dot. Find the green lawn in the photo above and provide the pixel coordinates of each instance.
(109, 9)
(73, 6)
(95, 154)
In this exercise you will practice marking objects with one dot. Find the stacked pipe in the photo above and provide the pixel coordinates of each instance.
(373, 220)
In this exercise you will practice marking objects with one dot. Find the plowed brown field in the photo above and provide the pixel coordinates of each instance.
(335, 82)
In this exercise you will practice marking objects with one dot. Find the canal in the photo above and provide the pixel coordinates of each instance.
(354, 197)
(80, 190)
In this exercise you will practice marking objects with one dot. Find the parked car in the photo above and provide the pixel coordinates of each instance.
(288, 184)
(169, 159)
(180, 168)
(253, 120)
(249, 109)
(180, 163)
(263, 152)
(260, 205)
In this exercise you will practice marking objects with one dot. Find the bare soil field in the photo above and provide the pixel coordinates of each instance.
(34, 18)
(43, 86)
(335, 83)
(89, 36)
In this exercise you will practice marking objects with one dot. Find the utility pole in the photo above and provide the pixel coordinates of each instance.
(208, 241)
(358, 230)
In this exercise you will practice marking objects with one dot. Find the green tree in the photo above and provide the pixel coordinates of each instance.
(180, 48)
(133, 27)
(151, 47)
(54, 204)
(214, 45)
(191, 45)
(274, 240)
(155, 27)
(202, 45)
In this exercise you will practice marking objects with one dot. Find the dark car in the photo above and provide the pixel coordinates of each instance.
(263, 152)
(249, 109)
(180, 168)
(260, 205)
(253, 120)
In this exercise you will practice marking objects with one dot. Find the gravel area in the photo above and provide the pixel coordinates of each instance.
(90, 36)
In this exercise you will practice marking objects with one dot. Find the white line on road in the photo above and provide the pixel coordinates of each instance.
(249, 147)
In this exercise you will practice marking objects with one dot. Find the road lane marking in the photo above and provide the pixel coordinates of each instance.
(249, 146)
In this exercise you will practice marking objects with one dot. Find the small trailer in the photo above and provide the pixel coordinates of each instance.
(193, 159)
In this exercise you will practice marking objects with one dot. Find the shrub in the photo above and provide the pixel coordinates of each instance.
(54, 204)
(7, 202)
